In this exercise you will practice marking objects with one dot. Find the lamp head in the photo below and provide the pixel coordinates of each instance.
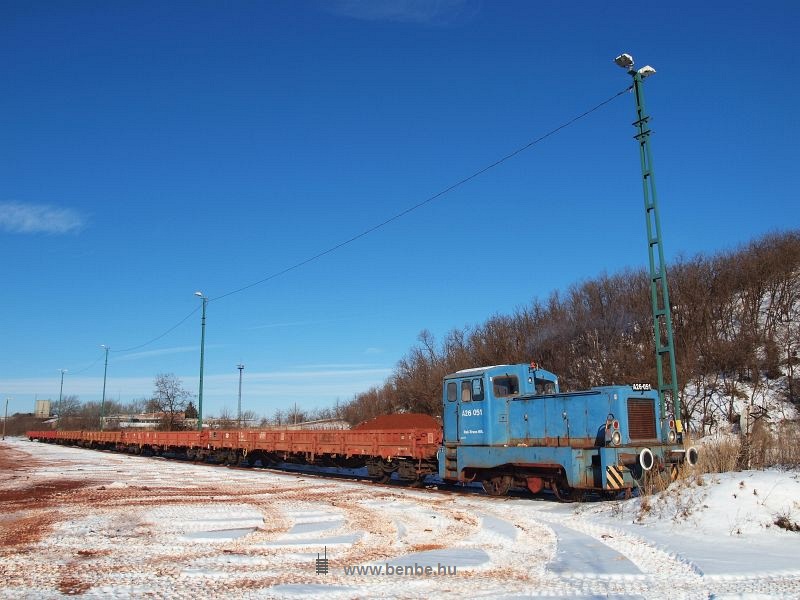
(624, 61)
(646, 71)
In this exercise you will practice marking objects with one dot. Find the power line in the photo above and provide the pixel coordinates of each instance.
(73, 372)
(428, 200)
(382, 224)
(155, 339)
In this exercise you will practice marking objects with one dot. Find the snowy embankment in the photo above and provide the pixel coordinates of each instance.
(106, 525)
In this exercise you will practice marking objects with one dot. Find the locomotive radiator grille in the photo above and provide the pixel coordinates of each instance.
(642, 419)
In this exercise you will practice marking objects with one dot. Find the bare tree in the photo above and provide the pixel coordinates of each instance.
(226, 419)
(67, 410)
(295, 415)
(249, 417)
(170, 398)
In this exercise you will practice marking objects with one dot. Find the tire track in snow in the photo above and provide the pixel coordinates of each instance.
(661, 573)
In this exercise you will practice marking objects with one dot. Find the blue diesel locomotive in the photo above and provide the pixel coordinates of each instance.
(510, 426)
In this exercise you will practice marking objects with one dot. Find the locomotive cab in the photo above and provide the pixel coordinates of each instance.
(476, 401)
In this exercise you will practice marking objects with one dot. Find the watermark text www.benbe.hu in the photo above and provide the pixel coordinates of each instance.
(322, 567)
(412, 571)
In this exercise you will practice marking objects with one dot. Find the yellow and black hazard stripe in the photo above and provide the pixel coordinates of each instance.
(615, 480)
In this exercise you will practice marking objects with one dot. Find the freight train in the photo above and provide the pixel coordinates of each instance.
(505, 426)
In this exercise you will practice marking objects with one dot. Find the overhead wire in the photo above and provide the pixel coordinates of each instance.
(391, 219)
(78, 372)
(428, 200)
(155, 339)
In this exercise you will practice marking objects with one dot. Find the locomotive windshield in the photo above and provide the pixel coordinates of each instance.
(471, 390)
(506, 385)
(545, 386)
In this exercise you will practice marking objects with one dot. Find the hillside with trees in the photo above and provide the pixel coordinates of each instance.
(737, 334)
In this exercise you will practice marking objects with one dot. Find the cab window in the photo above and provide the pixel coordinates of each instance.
(451, 391)
(477, 389)
(466, 391)
(507, 385)
(543, 386)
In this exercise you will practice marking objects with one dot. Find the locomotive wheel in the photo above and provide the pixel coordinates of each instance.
(497, 486)
(564, 494)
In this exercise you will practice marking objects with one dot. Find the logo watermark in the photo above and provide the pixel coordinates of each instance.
(321, 564)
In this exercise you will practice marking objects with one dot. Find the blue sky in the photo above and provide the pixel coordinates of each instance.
(150, 150)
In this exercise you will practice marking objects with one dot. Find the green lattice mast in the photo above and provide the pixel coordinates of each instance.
(659, 291)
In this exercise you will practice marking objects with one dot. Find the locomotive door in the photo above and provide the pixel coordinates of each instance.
(450, 412)
(472, 412)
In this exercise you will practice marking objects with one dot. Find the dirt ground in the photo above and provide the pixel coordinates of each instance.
(105, 525)
(96, 523)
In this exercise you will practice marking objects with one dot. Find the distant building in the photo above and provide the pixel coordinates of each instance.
(42, 410)
(140, 421)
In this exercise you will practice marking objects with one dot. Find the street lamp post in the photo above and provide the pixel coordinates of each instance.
(60, 395)
(241, 368)
(103, 399)
(202, 353)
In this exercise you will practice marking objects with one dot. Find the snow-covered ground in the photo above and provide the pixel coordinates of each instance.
(106, 525)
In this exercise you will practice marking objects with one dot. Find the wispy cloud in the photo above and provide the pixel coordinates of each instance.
(310, 386)
(16, 217)
(159, 352)
(340, 367)
(426, 12)
(269, 389)
(295, 323)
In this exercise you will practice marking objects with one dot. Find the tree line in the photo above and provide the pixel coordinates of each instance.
(736, 334)
(736, 318)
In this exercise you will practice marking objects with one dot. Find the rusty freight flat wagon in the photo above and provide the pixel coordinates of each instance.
(408, 448)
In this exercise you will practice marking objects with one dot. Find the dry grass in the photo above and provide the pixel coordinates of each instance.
(785, 449)
(719, 457)
(762, 450)
(785, 522)
(676, 501)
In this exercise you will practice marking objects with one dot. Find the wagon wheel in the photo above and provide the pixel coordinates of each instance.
(497, 486)
(383, 478)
